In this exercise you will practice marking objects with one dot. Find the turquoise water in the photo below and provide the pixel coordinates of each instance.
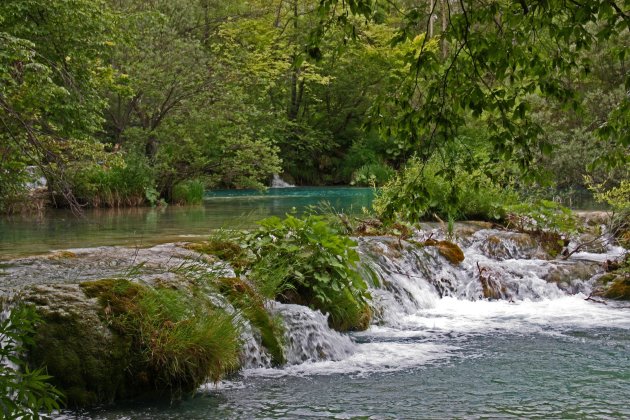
(60, 229)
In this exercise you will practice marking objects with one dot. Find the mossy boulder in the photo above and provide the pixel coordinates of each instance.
(85, 358)
(114, 339)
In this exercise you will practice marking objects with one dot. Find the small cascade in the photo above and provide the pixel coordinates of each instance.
(278, 182)
(253, 354)
(408, 277)
(308, 337)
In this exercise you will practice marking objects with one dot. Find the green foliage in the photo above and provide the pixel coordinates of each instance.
(177, 341)
(52, 72)
(422, 190)
(492, 56)
(543, 215)
(305, 260)
(551, 223)
(188, 192)
(24, 393)
(373, 175)
(114, 183)
(618, 198)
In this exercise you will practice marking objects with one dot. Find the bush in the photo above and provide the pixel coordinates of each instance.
(116, 183)
(551, 223)
(618, 198)
(188, 192)
(23, 392)
(306, 261)
(423, 190)
(372, 175)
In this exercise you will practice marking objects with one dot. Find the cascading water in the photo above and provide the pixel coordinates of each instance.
(278, 182)
(421, 301)
(504, 333)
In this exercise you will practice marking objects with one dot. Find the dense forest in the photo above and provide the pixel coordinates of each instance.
(133, 102)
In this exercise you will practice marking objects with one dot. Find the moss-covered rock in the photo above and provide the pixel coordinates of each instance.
(615, 284)
(85, 358)
(115, 339)
(618, 289)
(244, 297)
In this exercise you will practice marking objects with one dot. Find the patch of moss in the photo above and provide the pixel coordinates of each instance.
(349, 314)
(619, 289)
(244, 297)
(87, 362)
(133, 341)
(224, 249)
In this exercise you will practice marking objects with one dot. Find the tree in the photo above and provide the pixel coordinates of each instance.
(52, 73)
(499, 52)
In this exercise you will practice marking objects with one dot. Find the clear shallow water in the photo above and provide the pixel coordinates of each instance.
(477, 360)
(27, 235)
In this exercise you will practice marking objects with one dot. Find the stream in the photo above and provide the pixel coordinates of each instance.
(437, 348)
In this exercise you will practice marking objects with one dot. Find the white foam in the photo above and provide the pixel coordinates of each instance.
(368, 358)
(467, 317)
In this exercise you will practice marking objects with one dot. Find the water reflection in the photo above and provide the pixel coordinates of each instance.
(59, 229)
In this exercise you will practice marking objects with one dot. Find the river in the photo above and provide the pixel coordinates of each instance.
(437, 348)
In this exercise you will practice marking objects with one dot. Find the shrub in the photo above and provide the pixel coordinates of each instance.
(306, 261)
(618, 198)
(552, 223)
(372, 175)
(115, 183)
(23, 392)
(188, 192)
(423, 190)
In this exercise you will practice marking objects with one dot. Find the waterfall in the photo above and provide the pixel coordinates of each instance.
(421, 301)
(278, 182)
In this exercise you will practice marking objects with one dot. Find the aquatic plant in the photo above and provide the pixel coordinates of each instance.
(188, 192)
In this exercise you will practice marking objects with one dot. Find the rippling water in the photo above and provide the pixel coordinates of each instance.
(568, 358)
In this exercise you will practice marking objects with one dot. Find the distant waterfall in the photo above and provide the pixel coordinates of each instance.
(277, 182)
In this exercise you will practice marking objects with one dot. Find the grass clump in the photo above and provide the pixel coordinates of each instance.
(251, 304)
(306, 261)
(178, 341)
(116, 183)
(190, 191)
(224, 247)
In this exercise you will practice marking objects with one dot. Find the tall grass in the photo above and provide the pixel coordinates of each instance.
(188, 192)
(178, 340)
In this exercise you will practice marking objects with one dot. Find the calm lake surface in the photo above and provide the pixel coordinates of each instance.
(59, 229)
